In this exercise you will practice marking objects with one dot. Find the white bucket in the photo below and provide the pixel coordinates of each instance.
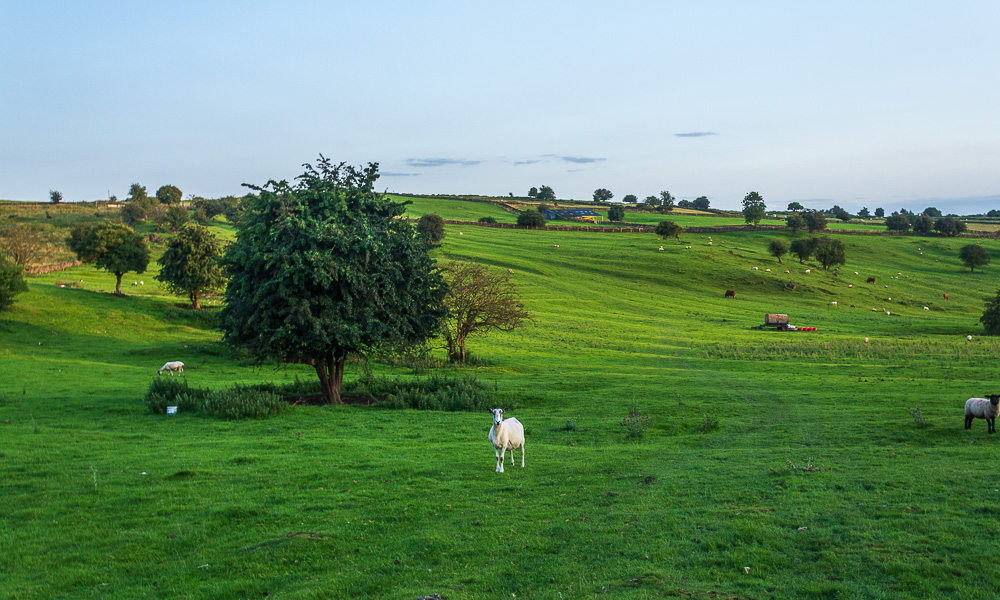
(171, 410)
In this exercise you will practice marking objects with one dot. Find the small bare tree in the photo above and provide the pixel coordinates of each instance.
(21, 243)
(479, 300)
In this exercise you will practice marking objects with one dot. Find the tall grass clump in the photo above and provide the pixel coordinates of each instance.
(242, 403)
(436, 392)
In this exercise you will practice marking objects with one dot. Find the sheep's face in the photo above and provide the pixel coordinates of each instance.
(497, 415)
(994, 399)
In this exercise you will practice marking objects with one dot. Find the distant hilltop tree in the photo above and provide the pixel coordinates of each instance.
(864, 214)
(55, 196)
(602, 195)
(630, 199)
(793, 206)
(930, 211)
(897, 222)
(700, 203)
(815, 220)
(666, 201)
(546, 193)
(949, 226)
(533, 192)
(169, 194)
(880, 212)
(113, 247)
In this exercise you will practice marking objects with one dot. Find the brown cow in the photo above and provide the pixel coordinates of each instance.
(946, 296)
(871, 280)
(731, 294)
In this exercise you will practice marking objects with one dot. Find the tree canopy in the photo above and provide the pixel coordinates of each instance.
(616, 213)
(879, 212)
(191, 264)
(830, 252)
(777, 248)
(700, 203)
(431, 225)
(803, 248)
(667, 229)
(949, 226)
(991, 315)
(840, 213)
(815, 220)
(546, 193)
(531, 218)
(974, 255)
(113, 247)
(479, 300)
(630, 199)
(753, 208)
(666, 201)
(897, 222)
(55, 196)
(11, 281)
(322, 268)
(795, 222)
(922, 223)
(795, 206)
(602, 195)
(169, 194)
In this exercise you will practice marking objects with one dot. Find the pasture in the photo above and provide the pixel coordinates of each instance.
(776, 465)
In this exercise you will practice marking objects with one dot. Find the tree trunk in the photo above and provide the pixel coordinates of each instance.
(195, 302)
(118, 284)
(330, 369)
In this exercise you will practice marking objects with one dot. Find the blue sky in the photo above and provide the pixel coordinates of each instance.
(889, 103)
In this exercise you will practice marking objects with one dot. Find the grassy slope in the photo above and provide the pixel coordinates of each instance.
(104, 500)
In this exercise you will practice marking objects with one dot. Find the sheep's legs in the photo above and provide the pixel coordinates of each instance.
(968, 421)
(522, 455)
(992, 425)
(500, 464)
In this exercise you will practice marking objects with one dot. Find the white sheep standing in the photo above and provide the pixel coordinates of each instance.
(172, 366)
(981, 408)
(506, 435)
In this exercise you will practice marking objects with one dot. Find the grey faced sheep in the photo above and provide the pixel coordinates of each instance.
(981, 408)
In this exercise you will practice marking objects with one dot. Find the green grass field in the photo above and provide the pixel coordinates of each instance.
(776, 465)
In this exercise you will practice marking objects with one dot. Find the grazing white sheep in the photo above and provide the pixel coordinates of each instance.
(172, 366)
(834, 303)
(767, 270)
(511, 271)
(753, 268)
(926, 308)
(809, 271)
(850, 285)
(142, 283)
(135, 283)
(968, 337)
(661, 248)
(866, 340)
(506, 435)
(981, 408)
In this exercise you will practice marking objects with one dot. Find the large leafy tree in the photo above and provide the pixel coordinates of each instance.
(991, 315)
(22, 243)
(974, 256)
(803, 248)
(922, 223)
(796, 222)
(479, 300)
(700, 203)
(897, 222)
(830, 252)
(531, 218)
(949, 226)
(616, 212)
(777, 248)
(546, 193)
(668, 229)
(880, 212)
(815, 220)
(630, 199)
(753, 208)
(795, 206)
(11, 281)
(667, 201)
(190, 266)
(55, 196)
(113, 247)
(323, 268)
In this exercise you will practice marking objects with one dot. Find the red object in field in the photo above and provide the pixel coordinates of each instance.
(807, 329)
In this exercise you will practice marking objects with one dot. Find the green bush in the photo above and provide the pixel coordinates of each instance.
(487, 220)
(164, 392)
(242, 403)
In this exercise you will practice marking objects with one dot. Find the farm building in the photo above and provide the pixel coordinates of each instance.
(566, 214)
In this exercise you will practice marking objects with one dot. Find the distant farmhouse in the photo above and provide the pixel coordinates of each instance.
(569, 214)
